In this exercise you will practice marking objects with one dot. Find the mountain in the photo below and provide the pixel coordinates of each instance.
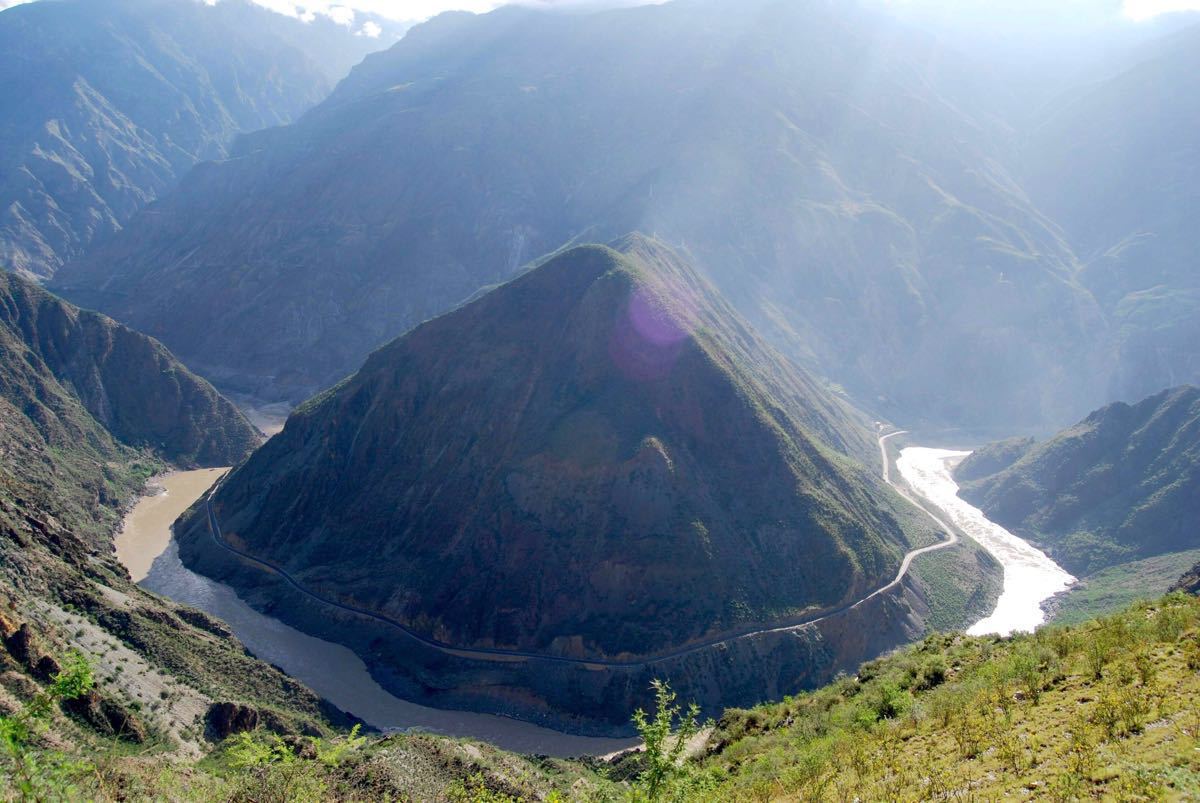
(88, 411)
(118, 98)
(836, 174)
(77, 378)
(598, 461)
(1115, 163)
(1120, 486)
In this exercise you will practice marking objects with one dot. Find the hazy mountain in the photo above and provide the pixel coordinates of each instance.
(1122, 485)
(836, 174)
(107, 102)
(1116, 163)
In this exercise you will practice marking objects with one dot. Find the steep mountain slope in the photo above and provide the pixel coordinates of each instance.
(1115, 163)
(597, 452)
(834, 173)
(1190, 582)
(1121, 485)
(108, 102)
(79, 379)
(88, 410)
(594, 464)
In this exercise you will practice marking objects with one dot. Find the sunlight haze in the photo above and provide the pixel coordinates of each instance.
(341, 10)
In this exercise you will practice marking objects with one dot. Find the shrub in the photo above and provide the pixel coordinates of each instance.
(32, 774)
(665, 777)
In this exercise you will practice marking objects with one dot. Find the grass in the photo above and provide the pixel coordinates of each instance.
(1117, 587)
(961, 584)
(1109, 708)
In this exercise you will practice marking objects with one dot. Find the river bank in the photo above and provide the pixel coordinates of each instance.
(148, 551)
(1030, 576)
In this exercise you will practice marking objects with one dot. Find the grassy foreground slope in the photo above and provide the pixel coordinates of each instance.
(1109, 709)
(1106, 709)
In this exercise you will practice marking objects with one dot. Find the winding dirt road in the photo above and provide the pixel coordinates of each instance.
(494, 654)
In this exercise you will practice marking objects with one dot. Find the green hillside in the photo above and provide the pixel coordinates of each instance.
(1106, 709)
(1114, 499)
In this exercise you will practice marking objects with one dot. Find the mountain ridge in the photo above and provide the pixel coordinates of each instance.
(118, 98)
(1120, 485)
(868, 243)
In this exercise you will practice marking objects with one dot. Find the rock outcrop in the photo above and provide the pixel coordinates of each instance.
(1190, 582)
(226, 719)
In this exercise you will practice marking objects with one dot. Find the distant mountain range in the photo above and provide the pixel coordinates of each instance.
(106, 103)
(843, 179)
(1116, 164)
(1120, 486)
(598, 460)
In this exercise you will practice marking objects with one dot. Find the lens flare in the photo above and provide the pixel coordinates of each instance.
(649, 336)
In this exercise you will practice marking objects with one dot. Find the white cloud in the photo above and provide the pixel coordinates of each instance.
(1145, 9)
(370, 29)
(342, 11)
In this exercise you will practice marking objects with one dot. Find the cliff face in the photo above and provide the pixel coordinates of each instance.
(1122, 484)
(598, 460)
(81, 379)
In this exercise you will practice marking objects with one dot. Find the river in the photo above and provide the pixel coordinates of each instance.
(147, 549)
(1030, 577)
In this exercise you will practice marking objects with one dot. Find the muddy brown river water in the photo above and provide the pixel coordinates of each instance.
(147, 549)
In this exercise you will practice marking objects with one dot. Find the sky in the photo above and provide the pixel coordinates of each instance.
(342, 10)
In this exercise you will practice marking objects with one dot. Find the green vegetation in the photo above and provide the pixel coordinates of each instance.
(722, 479)
(43, 775)
(1107, 708)
(1104, 708)
(1120, 486)
(1115, 588)
(665, 776)
(961, 583)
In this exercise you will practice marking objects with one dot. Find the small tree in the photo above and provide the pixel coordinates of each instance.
(665, 777)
